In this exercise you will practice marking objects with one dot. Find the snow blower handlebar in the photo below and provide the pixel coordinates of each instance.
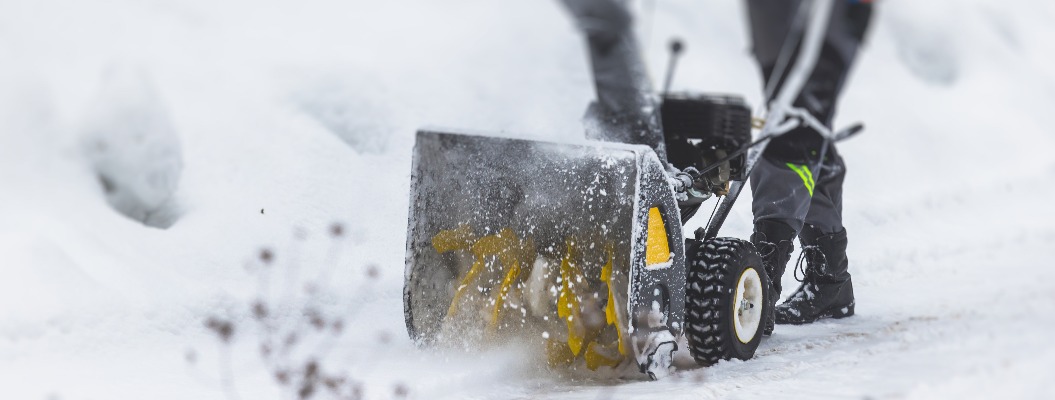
(783, 115)
(683, 180)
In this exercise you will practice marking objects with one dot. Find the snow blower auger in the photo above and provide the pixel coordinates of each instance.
(577, 249)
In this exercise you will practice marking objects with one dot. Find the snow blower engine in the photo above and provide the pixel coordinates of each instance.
(704, 133)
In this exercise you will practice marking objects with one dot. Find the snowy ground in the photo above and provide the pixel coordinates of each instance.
(286, 117)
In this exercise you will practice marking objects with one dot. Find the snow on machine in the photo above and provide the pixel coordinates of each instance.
(577, 249)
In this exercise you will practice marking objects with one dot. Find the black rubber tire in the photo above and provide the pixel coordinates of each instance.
(714, 270)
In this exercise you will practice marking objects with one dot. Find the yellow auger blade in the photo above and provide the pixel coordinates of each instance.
(454, 239)
(458, 239)
(474, 271)
(512, 254)
(523, 254)
(497, 245)
(568, 306)
(598, 355)
(609, 309)
(610, 315)
(503, 293)
(491, 245)
(558, 353)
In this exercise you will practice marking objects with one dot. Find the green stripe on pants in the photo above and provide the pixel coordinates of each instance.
(806, 175)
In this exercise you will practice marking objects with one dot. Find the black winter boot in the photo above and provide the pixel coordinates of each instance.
(826, 290)
(773, 240)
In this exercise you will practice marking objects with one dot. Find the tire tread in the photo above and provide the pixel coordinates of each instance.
(707, 325)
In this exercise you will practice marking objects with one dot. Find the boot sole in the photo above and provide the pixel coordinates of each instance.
(839, 313)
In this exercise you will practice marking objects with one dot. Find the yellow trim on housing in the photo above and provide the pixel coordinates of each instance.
(657, 250)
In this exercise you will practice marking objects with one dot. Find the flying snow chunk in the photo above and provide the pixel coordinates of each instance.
(135, 152)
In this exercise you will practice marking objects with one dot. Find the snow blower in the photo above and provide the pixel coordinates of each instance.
(577, 249)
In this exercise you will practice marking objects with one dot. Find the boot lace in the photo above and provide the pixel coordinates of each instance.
(809, 253)
(765, 249)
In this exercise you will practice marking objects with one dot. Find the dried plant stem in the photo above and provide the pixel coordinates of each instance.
(227, 372)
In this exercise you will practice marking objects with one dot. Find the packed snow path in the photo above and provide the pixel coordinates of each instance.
(291, 116)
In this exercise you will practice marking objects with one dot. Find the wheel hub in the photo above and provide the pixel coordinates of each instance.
(748, 305)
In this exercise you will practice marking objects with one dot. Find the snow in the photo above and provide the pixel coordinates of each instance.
(134, 150)
(293, 116)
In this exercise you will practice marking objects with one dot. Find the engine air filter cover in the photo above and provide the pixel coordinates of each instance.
(699, 128)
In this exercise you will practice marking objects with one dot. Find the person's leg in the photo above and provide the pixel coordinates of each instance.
(826, 290)
(777, 26)
(780, 201)
(826, 204)
(786, 194)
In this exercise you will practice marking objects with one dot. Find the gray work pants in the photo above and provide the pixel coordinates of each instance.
(786, 184)
(796, 194)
